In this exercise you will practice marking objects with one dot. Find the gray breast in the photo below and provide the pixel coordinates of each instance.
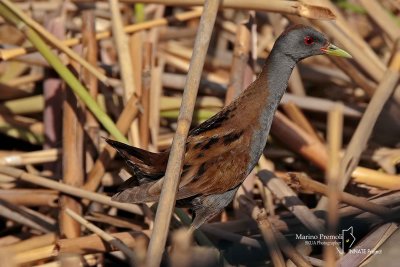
(259, 137)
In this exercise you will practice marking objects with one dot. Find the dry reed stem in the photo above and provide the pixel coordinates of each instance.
(181, 252)
(334, 139)
(270, 234)
(30, 197)
(105, 236)
(285, 7)
(182, 64)
(353, 35)
(90, 54)
(155, 95)
(386, 199)
(177, 82)
(7, 54)
(364, 129)
(308, 184)
(46, 252)
(135, 42)
(376, 71)
(367, 85)
(67, 189)
(17, 214)
(31, 243)
(128, 114)
(295, 114)
(171, 180)
(146, 82)
(34, 157)
(12, 92)
(239, 62)
(73, 167)
(54, 41)
(94, 244)
(230, 236)
(317, 104)
(290, 252)
(304, 249)
(36, 254)
(291, 201)
(267, 231)
(44, 6)
(30, 104)
(382, 18)
(125, 63)
(376, 178)
(113, 220)
(25, 79)
(298, 140)
(21, 122)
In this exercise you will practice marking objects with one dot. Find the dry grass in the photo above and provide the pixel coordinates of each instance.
(125, 76)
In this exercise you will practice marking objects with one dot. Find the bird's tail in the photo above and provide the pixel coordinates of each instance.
(146, 167)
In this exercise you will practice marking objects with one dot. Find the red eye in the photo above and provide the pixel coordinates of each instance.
(308, 40)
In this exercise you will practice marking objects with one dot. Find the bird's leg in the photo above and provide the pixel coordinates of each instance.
(206, 207)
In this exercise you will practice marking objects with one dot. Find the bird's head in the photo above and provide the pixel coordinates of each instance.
(299, 42)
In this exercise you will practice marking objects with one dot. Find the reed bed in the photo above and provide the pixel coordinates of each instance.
(144, 72)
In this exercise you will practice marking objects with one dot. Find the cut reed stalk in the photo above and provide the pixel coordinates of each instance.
(105, 236)
(7, 54)
(239, 63)
(167, 197)
(146, 83)
(53, 40)
(364, 129)
(285, 7)
(30, 197)
(73, 163)
(308, 184)
(125, 63)
(334, 139)
(67, 189)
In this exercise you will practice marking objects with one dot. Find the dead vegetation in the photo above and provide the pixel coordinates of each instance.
(72, 72)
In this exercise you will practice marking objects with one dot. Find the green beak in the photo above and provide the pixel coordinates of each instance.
(333, 50)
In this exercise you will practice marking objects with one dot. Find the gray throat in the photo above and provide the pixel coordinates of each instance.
(277, 70)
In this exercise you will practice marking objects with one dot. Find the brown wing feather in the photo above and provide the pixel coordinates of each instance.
(212, 164)
(146, 161)
(203, 174)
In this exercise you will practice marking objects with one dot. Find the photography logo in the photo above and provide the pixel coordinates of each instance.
(347, 240)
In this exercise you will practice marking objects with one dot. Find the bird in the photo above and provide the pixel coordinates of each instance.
(223, 150)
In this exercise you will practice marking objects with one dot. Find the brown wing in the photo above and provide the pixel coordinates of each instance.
(212, 165)
(146, 160)
(145, 166)
(219, 163)
(205, 175)
(215, 161)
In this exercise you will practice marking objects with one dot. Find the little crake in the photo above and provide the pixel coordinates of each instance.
(223, 150)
